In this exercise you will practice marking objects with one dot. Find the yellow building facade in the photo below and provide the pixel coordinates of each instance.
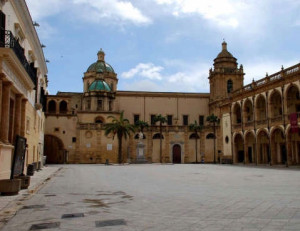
(75, 122)
(23, 85)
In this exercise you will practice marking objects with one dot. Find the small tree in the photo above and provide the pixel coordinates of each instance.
(212, 119)
(120, 127)
(159, 118)
(196, 128)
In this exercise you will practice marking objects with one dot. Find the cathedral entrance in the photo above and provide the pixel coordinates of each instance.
(176, 154)
(54, 150)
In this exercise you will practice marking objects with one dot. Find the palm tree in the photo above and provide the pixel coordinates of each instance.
(196, 128)
(213, 120)
(120, 127)
(159, 118)
(141, 125)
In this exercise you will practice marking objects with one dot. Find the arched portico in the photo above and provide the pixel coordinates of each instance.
(250, 147)
(263, 156)
(292, 99)
(278, 147)
(261, 112)
(54, 150)
(239, 154)
(275, 104)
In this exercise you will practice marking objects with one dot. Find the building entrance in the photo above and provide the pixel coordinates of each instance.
(54, 150)
(176, 154)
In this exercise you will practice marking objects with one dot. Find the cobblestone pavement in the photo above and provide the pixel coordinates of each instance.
(164, 197)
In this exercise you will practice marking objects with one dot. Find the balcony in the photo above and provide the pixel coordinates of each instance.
(7, 40)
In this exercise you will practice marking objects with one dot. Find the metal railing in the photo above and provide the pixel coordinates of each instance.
(7, 40)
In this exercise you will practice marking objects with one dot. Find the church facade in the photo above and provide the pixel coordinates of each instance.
(253, 121)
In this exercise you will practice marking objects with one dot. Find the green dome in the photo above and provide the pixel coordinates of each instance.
(100, 67)
(99, 85)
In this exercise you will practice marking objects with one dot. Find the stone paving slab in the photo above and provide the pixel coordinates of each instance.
(167, 197)
(10, 204)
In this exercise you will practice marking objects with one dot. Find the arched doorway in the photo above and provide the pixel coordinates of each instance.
(278, 147)
(239, 149)
(263, 149)
(54, 150)
(250, 148)
(176, 154)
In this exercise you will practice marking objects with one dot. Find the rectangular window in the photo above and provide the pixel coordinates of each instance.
(152, 119)
(110, 106)
(99, 105)
(170, 119)
(73, 139)
(185, 120)
(88, 104)
(201, 120)
(136, 118)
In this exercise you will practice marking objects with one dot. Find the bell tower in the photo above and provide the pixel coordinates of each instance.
(225, 77)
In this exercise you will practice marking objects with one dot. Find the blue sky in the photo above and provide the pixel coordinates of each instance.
(164, 45)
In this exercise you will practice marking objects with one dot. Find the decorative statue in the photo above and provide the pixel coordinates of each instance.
(141, 136)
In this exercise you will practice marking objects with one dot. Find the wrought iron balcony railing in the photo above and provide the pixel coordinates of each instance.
(7, 40)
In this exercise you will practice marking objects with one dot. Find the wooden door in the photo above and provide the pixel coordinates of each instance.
(176, 154)
(53, 150)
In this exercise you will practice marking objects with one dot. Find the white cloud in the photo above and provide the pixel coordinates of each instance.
(42, 9)
(222, 12)
(114, 10)
(104, 11)
(147, 70)
(148, 77)
(257, 69)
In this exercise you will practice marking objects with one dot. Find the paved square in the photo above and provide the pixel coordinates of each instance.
(167, 197)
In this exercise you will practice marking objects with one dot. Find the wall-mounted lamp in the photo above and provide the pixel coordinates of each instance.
(36, 24)
(47, 61)
(43, 46)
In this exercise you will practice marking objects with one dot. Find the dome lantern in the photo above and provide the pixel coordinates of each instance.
(101, 55)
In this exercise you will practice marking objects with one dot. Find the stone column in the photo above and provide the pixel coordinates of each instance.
(57, 103)
(246, 159)
(23, 117)
(1, 92)
(18, 116)
(5, 111)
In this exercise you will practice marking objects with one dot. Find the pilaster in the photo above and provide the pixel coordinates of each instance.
(23, 117)
(18, 116)
(1, 92)
(6, 86)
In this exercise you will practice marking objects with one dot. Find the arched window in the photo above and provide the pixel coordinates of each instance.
(157, 136)
(63, 107)
(52, 106)
(229, 86)
(194, 135)
(99, 120)
(210, 136)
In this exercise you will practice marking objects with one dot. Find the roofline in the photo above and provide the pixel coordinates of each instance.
(164, 94)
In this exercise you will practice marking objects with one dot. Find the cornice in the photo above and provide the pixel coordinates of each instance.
(162, 94)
